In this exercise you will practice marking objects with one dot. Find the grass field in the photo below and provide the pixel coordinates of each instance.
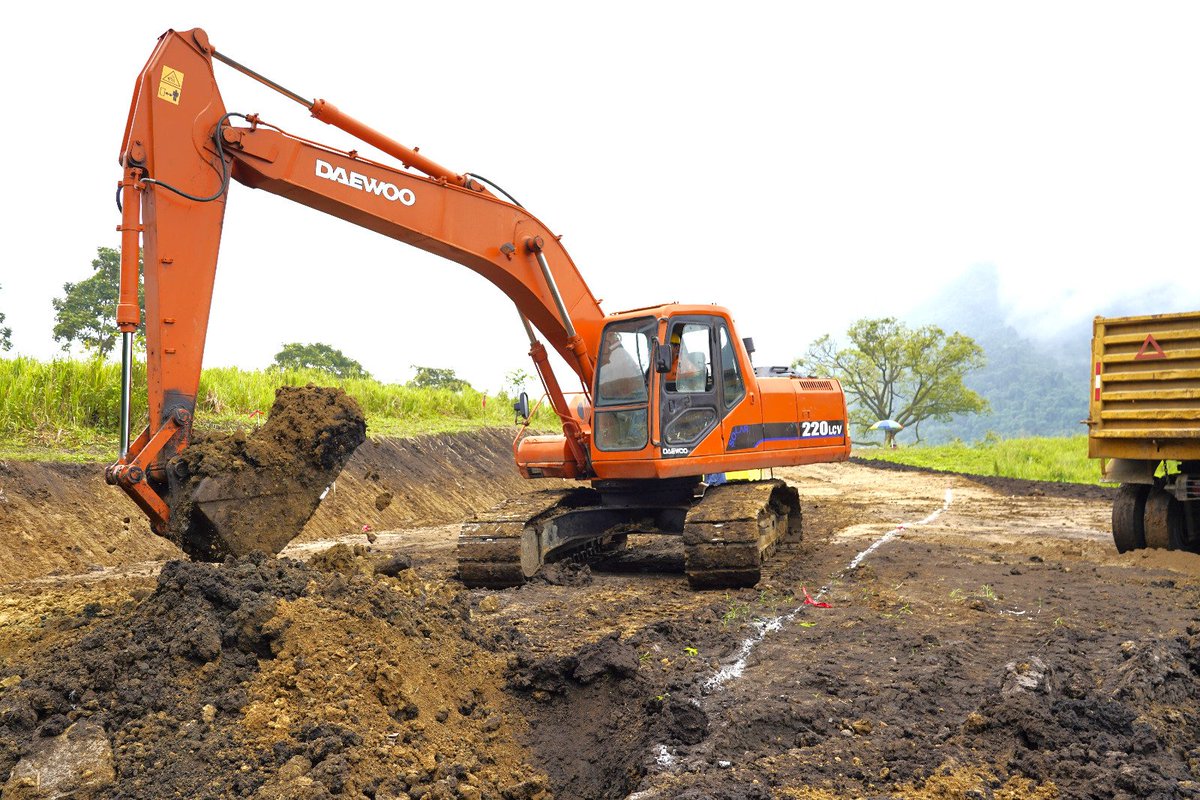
(1044, 459)
(70, 410)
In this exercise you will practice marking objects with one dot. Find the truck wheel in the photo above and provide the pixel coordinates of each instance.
(1128, 517)
(1164, 521)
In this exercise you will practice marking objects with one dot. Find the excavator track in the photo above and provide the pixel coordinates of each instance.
(729, 533)
(726, 534)
(507, 544)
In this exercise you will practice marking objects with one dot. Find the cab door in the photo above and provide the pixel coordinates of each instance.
(741, 413)
(622, 392)
(690, 403)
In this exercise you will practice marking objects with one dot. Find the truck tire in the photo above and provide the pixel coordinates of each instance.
(1128, 517)
(1164, 521)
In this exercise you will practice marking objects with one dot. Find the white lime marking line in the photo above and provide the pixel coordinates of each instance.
(762, 627)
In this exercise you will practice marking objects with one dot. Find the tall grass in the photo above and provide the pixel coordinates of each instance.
(71, 409)
(1062, 459)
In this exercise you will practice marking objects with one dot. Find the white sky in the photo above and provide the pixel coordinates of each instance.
(804, 164)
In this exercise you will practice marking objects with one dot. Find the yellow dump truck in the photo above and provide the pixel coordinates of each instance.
(1144, 423)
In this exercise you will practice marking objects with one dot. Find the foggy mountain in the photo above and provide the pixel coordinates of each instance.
(1038, 371)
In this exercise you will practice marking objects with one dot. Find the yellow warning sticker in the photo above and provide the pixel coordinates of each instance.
(170, 85)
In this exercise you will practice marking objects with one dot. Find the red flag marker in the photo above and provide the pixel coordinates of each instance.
(808, 601)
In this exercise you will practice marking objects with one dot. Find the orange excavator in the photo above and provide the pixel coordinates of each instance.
(668, 393)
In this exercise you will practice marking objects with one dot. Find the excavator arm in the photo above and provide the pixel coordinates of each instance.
(182, 149)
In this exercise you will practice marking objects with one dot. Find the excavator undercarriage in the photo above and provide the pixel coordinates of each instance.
(728, 530)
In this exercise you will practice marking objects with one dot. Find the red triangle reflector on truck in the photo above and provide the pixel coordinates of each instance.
(1150, 349)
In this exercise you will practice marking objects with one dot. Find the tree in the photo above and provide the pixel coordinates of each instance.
(515, 381)
(889, 371)
(437, 378)
(319, 356)
(88, 312)
(5, 335)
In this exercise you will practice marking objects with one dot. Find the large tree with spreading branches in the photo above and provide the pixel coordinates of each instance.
(319, 356)
(892, 372)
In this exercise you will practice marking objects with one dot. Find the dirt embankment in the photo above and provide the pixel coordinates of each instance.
(392, 484)
(62, 519)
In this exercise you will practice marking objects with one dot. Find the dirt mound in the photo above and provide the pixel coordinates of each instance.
(270, 678)
(240, 493)
(1087, 730)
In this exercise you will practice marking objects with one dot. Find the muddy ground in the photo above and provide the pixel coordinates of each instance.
(989, 643)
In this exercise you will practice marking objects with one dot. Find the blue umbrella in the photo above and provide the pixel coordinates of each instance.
(889, 425)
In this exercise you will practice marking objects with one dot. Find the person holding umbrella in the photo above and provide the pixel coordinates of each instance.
(890, 428)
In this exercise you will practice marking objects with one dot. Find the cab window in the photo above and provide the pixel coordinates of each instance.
(622, 386)
(691, 358)
(731, 376)
(623, 373)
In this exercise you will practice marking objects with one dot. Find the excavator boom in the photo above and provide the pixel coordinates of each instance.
(180, 152)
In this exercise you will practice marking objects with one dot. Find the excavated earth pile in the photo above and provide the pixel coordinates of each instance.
(269, 678)
(232, 494)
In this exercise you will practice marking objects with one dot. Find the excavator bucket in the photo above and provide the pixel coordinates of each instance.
(233, 494)
(235, 514)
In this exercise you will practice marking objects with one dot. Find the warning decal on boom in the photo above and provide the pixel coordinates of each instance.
(170, 85)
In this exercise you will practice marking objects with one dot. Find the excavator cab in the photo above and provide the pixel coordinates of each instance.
(675, 399)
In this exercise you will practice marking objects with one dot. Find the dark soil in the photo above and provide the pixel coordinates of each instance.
(239, 493)
(958, 669)
(270, 678)
(601, 711)
(147, 674)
